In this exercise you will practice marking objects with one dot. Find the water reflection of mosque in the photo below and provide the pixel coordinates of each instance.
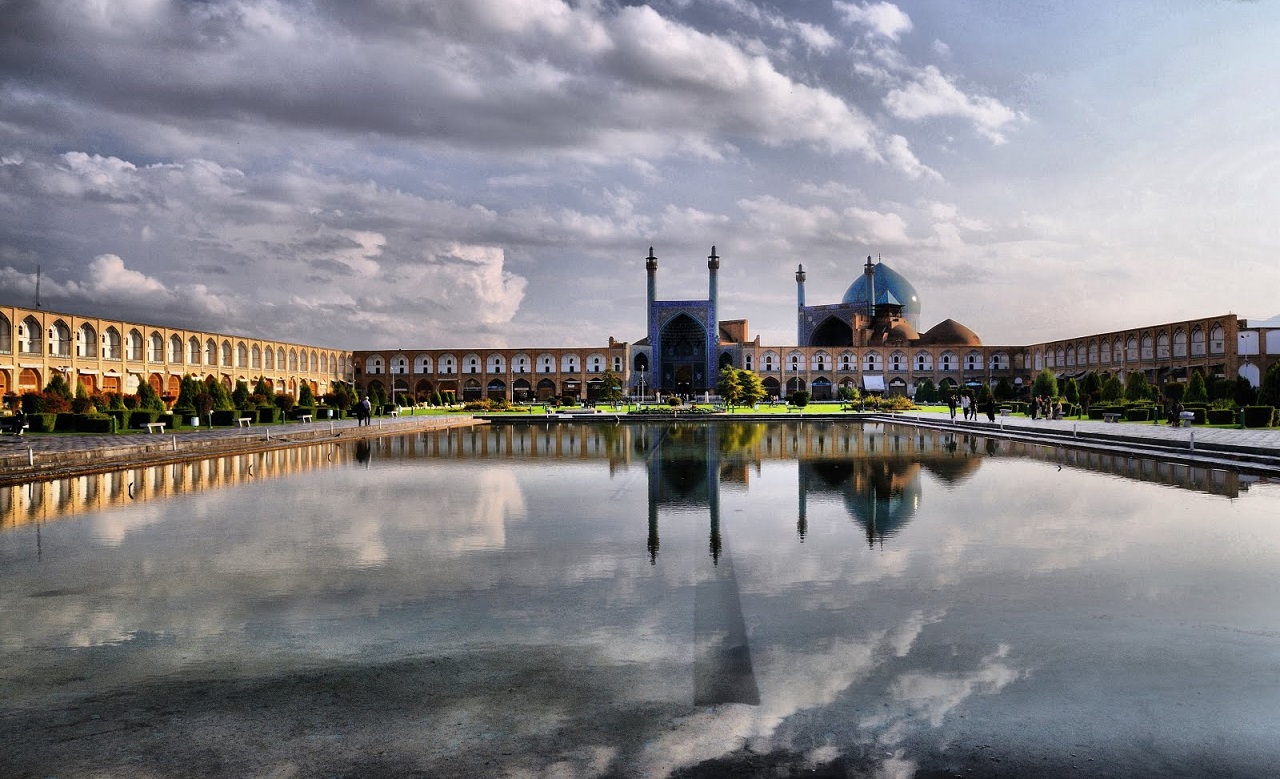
(872, 471)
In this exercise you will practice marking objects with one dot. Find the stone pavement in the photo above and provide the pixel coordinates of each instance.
(1257, 449)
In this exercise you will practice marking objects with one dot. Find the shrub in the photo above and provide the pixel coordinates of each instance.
(139, 418)
(1096, 412)
(41, 423)
(1138, 414)
(268, 415)
(120, 416)
(800, 399)
(65, 421)
(675, 402)
(1221, 416)
(1258, 416)
(224, 417)
(96, 423)
(1199, 411)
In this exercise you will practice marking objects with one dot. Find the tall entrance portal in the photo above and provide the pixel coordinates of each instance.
(684, 356)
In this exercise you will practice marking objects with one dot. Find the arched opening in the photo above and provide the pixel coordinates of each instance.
(821, 388)
(832, 332)
(546, 389)
(28, 380)
(641, 363)
(497, 389)
(422, 391)
(520, 390)
(772, 387)
(684, 356)
(726, 360)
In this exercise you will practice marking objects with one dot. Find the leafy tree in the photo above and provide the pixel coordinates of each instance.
(1269, 389)
(306, 397)
(926, 391)
(216, 390)
(1112, 389)
(728, 387)
(1045, 384)
(1243, 392)
(1136, 387)
(284, 402)
(82, 393)
(58, 386)
(436, 400)
(1196, 392)
(1071, 391)
(262, 388)
(203, 403)
(188, 388)
(240, 395)
(1175, 392)
(800, 398)
(611, 391)
(1091, 387)
(148, 400)
(752, 387)
(1004, 389)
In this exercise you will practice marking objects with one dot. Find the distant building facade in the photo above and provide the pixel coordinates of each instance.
(107, 355)
(870, 340)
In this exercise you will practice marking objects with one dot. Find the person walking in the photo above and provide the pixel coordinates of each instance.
(965, 405)
(951, 404)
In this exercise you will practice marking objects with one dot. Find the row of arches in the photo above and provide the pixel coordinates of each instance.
(500, 363)
(871, 361)
(1163, 345)
(517, 391)
(34, 380)
(58, 340)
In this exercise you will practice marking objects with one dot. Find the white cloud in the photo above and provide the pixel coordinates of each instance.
(884, 19)
(931, 94)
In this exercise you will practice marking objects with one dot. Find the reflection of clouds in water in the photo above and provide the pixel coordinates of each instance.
(792, 680)
(112, 527)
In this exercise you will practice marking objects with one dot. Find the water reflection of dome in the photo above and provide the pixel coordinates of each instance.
(952, 470)
(881, 495)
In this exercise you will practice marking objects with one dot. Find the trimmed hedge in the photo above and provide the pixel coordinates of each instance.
(1221, 416)
(95, 423)
(1258, 416)
(66, 422)
(268, 415)
(41, 423)
(1138, 414)
(225, 417)
(140, 418)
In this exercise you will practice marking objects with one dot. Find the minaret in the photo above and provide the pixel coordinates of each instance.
(713, 268)
(651, 266)
(800, 305)
(870, 272)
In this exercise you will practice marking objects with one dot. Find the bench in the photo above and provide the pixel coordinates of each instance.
(395, 412)
(244, 421)
(1004, 411)
(304, 417)
(1187, 417)
(10, 428)
(155, 427)
(1110, 417)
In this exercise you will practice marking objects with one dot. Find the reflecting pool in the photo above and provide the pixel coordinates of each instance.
(544, 600)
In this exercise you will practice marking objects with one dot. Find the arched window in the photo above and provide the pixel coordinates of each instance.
(226, 352)
(30, 336)
(1148, 353)
(898, 361)
(1179, 343)
(133, 345)
(60, 339)
(924, 361)
(86, 341)
(872, 361)
(569, 363)
(1217, 340)
(973, 361)
(6, 335)
(255, 357)
(1093, 353)
(111, 344)
(448, 363)
(595, 363)
(640, 364)
(999, 361)
(422, 363)
(1162, 346)
(1131, 349)
(522, 364)
(1105, 353)
(293, 360)
(175, 348)
(210, 352)
(269, 362)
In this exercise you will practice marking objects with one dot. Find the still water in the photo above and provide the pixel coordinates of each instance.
(644, 601)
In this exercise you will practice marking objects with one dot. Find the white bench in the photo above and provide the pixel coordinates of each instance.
(395, 412)
(1005, 411)
(244, 421)
(1187, 418)
(155, 427)
(1110, 417)
(304, 417)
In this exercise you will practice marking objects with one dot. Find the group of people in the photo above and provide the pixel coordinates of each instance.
(969, 407)
(17, 422)
(1046, 407)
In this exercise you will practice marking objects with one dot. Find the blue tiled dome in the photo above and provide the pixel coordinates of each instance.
(888, 281)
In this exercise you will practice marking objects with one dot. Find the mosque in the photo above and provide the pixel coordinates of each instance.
(871, 340)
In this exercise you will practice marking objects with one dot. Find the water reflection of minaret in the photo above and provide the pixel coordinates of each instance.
(684, 474)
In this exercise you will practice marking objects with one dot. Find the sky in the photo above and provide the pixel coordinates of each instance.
(441, 173)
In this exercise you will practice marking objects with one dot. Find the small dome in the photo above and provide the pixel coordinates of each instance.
(888, 281)
(895, 331)
(952, 333)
